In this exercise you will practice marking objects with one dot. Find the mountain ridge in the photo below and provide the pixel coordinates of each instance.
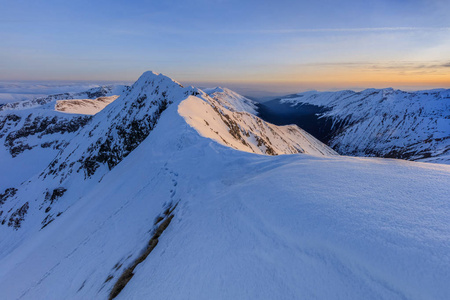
(112, 134)
(239, 223)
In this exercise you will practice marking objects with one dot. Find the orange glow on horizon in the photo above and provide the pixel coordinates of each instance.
(344, 78)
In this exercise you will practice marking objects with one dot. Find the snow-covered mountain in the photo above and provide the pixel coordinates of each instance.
(232, 101)
(102, 91)
(246, 132)
(84, 106)
(33, 132)
(384, 123)
(117, 130)
(168, 192)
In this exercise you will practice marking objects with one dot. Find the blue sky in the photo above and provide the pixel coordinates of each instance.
(275, 45)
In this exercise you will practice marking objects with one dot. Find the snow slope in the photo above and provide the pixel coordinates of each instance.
(33, 132)
(30, 139)
(231, 100)
(84, 106)
(246, 132)
(386, 122)
(243, 226)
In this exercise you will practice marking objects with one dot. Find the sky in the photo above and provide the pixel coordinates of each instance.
(253, 46)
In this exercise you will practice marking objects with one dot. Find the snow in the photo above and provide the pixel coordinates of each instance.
(387, 121)
(50, 100)
(13, 97)
(84, 106)
(246, 225)
(41, 147)
(255, 135)
(231, 100)
(15, 170)
(14, 91)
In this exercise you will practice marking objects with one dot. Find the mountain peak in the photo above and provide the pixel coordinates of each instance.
(150, 76)
(216, 89)
(232, 100)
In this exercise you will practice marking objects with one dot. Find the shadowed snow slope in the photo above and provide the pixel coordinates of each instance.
(245, 226)
(30, 139)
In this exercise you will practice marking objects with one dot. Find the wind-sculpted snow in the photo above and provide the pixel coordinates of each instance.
(113, 133)
(386, 123)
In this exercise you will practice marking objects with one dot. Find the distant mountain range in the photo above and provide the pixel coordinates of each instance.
(384, 123)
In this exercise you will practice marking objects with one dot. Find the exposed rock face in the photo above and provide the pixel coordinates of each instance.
(9, 192)
(16, 218)
(38, 126)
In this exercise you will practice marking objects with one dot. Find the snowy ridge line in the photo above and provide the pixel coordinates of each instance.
(118, 129)
(232, 100)
(246, 132)
(94, 150)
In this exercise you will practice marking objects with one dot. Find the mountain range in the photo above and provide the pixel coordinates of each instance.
(157, 190)
(375, 122)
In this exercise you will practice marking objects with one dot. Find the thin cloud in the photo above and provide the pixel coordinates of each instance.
(362, 29)
(391, 65)
(169, 30)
